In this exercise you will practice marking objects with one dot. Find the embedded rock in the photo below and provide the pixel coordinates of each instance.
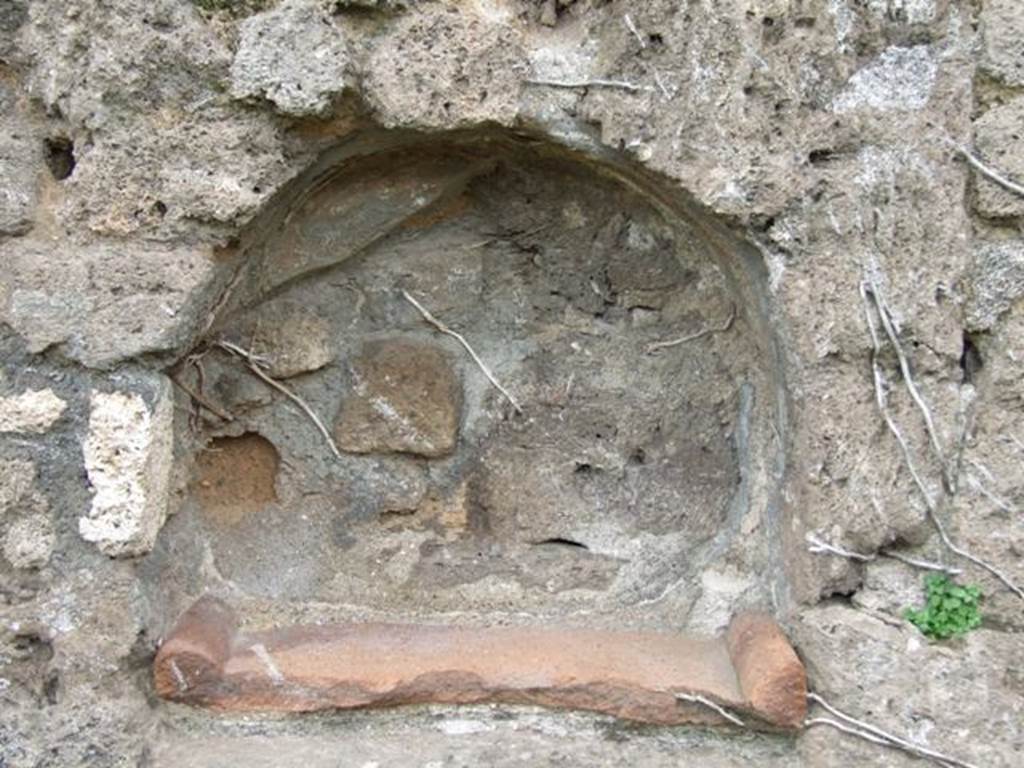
(20, 165)
(291, 338)
(103, 304)
(33, 411)
(128, 453)
(293, 56)
(443, 69)
(1000, 143)
(899, 79)
(29, 537)
(1002, 33)
(17, 483)
(405, 398)
(29, 541)
(996, 282)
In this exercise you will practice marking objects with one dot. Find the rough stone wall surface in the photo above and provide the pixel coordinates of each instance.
(138, 139)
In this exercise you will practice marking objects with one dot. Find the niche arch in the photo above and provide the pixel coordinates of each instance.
(631, 481)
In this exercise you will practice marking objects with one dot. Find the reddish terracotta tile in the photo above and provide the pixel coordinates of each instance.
(632, 675)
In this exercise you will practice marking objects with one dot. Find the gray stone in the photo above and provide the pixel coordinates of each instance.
(29, 535)
(20, 164)
(899, 79)
(291, 338)
(1000, 142)
(292, 56)
(128, 453)
(104, 304)
(443, 70)
(17, 484)
(1002, 33)
(881, 669)
(995, 282)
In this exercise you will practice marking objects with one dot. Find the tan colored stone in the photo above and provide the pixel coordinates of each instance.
(633, 675)
(1002, 32)
(29, 542)
(406, 398)
(1000, 143)
(17, 483)
(31, 411)
(291, 338)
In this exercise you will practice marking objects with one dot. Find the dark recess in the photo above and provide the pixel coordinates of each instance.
(60, 156)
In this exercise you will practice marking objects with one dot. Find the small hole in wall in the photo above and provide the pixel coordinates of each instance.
(160, 208)
(970, 360)
(60, 156)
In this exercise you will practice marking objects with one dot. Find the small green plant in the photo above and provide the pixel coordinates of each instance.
(951, 609)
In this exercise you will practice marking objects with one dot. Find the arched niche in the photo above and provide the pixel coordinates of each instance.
(626, 478)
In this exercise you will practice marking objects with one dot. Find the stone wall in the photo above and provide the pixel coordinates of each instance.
(146, 147)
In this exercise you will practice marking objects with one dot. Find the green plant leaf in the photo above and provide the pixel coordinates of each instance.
(950, 609)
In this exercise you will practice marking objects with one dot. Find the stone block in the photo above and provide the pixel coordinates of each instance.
(999, 137)
(291, 338)
(34, 411)
(406, 398)
(995, 282)
(1002, 34)
(104, 303)
(29, 535)
(293, 56)
(20, 163)
(128, 453)
(17, 482)
(29, 541)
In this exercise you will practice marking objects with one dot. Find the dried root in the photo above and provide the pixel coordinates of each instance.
(461, 339)
(256, 366)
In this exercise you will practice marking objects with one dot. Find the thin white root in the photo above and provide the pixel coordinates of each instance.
(202, 401)
(930, 503)
(636, 32)
(650, 349)
(817, 546)
(696, 698)
(987, 171)
(876, 735)
(927, 565)
(977, 485)
(461, 339)
(256, 366)
(661, 86)
(890, 330)
(596, 83)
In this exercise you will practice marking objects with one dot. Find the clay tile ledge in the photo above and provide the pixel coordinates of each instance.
(752, 671)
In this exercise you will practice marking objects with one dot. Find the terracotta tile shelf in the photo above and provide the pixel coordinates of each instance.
(752, 670)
